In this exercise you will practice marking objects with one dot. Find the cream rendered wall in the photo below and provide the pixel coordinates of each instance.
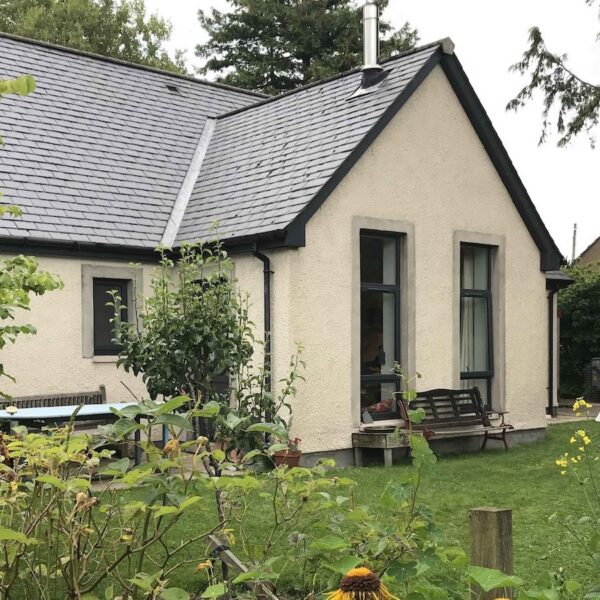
(427, 170)
(52, 360)
(427, 175)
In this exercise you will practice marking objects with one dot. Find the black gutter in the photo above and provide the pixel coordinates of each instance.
(551, 409)
(266, 261)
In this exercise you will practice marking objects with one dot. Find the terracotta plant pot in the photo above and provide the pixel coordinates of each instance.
(291, 458)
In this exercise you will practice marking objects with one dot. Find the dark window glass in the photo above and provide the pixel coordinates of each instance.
(476, 326)
(103, 314)
(378, 259)
(379, 323)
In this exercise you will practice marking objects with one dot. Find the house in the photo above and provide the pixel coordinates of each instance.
(591, 255)
(374, 217)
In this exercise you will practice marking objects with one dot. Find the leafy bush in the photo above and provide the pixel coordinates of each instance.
(579, 327)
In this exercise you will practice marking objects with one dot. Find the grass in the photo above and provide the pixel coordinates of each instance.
(525, 479)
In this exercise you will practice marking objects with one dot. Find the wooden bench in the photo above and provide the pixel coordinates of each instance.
(67, 399)
(456, 413)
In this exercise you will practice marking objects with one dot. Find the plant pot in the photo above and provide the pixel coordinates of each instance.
(291, 458)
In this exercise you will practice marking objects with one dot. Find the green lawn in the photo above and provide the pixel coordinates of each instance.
(525, 479)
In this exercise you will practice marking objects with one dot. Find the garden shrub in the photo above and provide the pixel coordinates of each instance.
(579, 327)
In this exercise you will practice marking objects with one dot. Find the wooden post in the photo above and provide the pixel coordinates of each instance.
(491, 545)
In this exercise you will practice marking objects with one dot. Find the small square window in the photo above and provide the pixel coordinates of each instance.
(104, 343)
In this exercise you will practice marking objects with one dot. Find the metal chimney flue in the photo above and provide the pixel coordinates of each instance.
(371, 37)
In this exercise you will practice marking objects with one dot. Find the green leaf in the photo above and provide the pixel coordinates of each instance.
(491, 579)
(273, 429)
(189, 502)
(329, 543)
(161, 511)
(175, 421)
(232, 421)
(174, 594)
(210, 409)
(116, 467)
(252, 575)
(10, 535)
(343, 565)
(53, 481)
(214, 591)
(172, 404)
(421, 453)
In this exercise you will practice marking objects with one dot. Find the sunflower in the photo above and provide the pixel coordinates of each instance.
(361, 584)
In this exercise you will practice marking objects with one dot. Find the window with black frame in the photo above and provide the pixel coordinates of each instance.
(379, 323)
(103, 314)
(476, 323)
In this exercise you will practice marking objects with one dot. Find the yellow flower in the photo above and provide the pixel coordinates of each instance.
(361, 584)
(207, 564)
(587, 440)
(561, 462)
(563, 472)
(573, 440)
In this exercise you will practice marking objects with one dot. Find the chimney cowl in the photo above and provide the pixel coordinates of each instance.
(371, 36)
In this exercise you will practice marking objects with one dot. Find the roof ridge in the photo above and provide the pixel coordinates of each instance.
(124, 63)
(312, 84)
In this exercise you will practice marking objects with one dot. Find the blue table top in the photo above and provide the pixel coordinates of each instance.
(49, 413)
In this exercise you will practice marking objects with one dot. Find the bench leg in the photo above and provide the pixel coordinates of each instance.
(505, 440)
(387, 457)
(358, 461)
(485, 440)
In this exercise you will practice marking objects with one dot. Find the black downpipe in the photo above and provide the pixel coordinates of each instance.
(266, 261)
(551, 409)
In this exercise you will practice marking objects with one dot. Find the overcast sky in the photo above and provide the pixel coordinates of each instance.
(489, 37)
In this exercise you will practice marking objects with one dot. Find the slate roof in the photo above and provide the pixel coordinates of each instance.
(105, 154)
(99, 151)
(265, 163)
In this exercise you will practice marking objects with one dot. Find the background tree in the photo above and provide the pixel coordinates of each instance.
(276, 45)
(115, 28)
(579, 327)
(571, 104)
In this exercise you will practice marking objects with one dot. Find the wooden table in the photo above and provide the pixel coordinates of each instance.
(59, 415)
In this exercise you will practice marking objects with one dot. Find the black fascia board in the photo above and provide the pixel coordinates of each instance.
(550, 256)
(93, 251)
(296, 229)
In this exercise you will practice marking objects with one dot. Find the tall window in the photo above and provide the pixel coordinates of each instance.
(103, 314)
(476, 330)
(379, 323)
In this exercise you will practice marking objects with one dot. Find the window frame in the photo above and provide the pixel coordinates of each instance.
(396, 290)
(122, 285)
(487, 294)
(134, 274)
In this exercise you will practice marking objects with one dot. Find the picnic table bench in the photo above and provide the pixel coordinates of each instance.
(59, 415)
(448, 414)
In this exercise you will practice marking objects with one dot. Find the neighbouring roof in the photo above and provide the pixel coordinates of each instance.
(106, 153)
(591, 254)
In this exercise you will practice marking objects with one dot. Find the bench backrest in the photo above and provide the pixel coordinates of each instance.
(450, 408)
(67, 399)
